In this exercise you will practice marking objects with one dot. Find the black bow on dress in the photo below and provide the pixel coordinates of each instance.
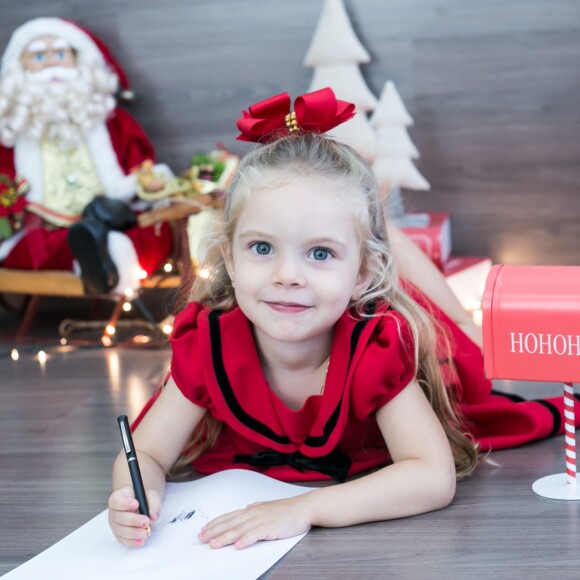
(336, 464)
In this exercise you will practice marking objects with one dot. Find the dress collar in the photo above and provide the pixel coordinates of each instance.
(243, 399)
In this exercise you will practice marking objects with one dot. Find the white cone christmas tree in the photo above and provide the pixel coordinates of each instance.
(335, 53)
(394, 150)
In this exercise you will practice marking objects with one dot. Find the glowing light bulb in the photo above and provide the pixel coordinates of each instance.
(106, 340)
(41, 356)
(14, 354)
(471, 304)
(168, 267)
(63, 341)
(110, 329)
(142, 274)
(166, 329)
(129, 292)
(127, 307)
(204, 273)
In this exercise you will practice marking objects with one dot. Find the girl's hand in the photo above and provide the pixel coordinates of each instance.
(128, 525)
(272, 520)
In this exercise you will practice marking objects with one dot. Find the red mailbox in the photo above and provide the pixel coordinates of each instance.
(531, 323)
(531, 332)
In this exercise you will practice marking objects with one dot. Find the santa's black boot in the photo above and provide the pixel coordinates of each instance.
(87, 240)
(114, 213)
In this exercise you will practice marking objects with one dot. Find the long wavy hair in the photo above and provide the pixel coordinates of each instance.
(351, 178)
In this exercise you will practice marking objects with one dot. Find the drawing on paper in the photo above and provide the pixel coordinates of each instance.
(190, 514)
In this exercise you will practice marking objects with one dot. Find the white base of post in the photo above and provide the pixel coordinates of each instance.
(557, 487)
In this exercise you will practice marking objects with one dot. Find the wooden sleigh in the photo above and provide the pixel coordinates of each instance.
(64, 284)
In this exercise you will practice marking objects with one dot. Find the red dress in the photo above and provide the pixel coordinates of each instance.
(369, 365)
(215, 364)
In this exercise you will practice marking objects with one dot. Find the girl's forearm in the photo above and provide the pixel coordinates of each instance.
(416, 267)
(403, 489)
(152, 473)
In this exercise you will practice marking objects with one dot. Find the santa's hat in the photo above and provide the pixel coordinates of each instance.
(89, 48)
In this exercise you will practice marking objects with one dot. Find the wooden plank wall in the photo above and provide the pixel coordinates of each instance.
(494, 88)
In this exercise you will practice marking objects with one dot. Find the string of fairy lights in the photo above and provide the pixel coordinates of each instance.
(157, 332)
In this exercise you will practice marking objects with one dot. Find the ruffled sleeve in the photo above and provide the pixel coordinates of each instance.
(187, 367)
(385, 368)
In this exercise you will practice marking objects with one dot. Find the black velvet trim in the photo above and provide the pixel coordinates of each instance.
(234, 405)
(510, 396)
(555, 414)
(226, 387)
(557, 417)
(333, 419)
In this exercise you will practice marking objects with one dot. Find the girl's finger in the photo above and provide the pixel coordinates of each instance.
(123, 500)
(130, 519)
(231, 535)
(129, 535)
(219, 525)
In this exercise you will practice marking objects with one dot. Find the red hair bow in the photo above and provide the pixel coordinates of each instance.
(315, 112)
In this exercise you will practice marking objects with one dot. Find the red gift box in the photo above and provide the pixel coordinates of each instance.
(531, 323)
(434, 238)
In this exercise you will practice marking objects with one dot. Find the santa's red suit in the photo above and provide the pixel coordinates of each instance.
(42, 247)
(111, 150)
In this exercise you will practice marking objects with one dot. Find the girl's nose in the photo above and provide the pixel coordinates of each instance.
(287, 272)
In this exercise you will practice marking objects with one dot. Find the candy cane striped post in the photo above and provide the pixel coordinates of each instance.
(565, 486)
(570, 434)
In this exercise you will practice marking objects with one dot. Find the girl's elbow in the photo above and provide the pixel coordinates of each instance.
(445, 488)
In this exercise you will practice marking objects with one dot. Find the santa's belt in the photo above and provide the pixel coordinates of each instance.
(336, 464)
(51, 218)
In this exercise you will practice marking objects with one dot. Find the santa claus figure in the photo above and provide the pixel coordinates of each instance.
(62, 132)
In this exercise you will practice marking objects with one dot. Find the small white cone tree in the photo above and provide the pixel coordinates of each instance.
(335, 53)
(394, 151)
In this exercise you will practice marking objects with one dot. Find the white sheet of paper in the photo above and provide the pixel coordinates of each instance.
(173, 550)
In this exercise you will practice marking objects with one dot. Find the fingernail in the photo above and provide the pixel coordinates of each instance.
(134, 505)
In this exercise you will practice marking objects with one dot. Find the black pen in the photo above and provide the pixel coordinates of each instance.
(134, 470)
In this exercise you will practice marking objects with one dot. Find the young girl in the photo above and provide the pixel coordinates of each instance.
(304, 357)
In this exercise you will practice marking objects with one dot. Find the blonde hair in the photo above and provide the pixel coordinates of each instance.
(339, 166)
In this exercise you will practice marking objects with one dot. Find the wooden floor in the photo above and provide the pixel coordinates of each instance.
(58, 438)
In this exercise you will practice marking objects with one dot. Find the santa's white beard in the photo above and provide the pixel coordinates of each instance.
(61, 109)
(53, 73)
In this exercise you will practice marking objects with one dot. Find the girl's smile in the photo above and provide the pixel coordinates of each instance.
(287, 307)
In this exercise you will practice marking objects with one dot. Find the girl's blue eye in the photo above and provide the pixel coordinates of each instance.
(262, 248)
(320, 254)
